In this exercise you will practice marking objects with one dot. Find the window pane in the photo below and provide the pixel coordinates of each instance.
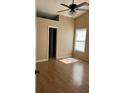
(79, 46)
(80, 34)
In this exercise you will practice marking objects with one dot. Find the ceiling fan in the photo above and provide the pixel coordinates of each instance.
(72, 8)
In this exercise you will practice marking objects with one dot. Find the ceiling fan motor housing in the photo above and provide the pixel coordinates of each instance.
(73, 7)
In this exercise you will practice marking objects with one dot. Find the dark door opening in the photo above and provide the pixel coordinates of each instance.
(52, 42)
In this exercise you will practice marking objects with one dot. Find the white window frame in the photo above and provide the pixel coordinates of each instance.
(80, 41)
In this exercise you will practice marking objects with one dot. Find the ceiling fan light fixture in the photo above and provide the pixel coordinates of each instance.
(72, 13)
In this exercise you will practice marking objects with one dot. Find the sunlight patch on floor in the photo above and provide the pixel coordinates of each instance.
(69, 60)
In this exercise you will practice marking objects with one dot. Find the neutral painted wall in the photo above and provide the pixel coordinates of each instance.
(83, 21)
(64, 37)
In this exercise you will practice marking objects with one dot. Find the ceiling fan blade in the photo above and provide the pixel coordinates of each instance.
(65, 5)
(82, 4)
(62, 10)
(80, 9)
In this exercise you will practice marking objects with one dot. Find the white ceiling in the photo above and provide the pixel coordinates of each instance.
(49, 8)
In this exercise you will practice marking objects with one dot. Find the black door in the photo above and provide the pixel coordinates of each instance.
(52, 42)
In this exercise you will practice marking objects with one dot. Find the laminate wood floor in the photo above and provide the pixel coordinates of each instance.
(58, 77)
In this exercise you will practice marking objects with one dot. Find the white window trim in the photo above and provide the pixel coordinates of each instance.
(82, 41)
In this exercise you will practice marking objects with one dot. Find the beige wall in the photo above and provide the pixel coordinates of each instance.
(83, 21)
(64, 37)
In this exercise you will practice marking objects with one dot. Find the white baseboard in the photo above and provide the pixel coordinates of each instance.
(41, 60)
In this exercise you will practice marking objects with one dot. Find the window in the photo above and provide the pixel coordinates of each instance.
(80, 38)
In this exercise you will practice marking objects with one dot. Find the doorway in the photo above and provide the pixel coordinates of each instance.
(52, 42)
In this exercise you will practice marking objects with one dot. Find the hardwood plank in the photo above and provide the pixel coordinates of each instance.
(57, 77)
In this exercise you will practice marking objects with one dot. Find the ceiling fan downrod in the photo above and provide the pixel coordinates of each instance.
(72, 1)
